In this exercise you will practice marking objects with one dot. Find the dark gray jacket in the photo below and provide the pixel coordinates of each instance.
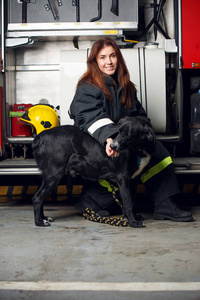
(93, 114)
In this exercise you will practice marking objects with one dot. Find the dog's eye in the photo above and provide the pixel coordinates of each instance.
(127, 132)
(130, 134)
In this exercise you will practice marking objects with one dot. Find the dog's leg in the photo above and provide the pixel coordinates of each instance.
(129, 212)
(38, 202)
(133, 191)
(69, 185)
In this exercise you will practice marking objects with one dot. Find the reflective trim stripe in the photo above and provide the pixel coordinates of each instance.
(98, 124)
(107, 185)
(156, 169)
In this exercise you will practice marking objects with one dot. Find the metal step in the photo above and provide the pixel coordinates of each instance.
(187, 165)
(18, 166)
(20, 140)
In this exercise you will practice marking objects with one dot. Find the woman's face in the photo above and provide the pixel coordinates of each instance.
(107, 60)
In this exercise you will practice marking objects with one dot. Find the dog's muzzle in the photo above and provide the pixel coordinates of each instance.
(115, 146)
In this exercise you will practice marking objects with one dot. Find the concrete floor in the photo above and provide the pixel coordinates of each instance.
(79, 259)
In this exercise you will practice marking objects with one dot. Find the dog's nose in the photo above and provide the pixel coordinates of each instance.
(114, 145)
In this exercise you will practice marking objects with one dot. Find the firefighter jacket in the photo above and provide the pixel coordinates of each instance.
(94, 115)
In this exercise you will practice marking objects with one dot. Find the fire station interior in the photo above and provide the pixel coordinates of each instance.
(44, 48)
(42, 65)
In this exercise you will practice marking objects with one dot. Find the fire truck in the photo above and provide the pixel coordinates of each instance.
(44, 48)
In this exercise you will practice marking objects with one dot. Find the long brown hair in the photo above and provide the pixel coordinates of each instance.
(95, 76)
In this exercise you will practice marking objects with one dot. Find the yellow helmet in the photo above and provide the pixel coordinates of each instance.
(41, 117)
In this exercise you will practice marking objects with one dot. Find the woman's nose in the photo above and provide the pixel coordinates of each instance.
(109, 61)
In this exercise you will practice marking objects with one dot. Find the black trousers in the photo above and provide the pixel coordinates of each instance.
(159, 187)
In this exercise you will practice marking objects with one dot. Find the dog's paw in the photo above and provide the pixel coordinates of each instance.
(48, 219)
(43, 223)
(135, 221)
(140, 224)
(137, 224)
(46, 223)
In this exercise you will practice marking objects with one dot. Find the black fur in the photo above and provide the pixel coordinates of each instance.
(68, 150)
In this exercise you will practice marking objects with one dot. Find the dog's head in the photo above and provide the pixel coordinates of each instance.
(136, 134)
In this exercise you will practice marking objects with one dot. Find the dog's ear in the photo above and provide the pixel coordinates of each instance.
(122, 121)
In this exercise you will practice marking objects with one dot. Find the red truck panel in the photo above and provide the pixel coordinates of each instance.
(1, 113)
(190, 34)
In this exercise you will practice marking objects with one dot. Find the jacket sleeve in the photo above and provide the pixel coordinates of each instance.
(87, 110)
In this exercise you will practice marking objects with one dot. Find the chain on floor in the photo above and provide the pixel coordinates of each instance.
(91, 215)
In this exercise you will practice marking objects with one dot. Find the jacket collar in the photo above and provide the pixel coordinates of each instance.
(108, 80)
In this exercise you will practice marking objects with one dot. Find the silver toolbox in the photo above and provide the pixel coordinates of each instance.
(52, 11)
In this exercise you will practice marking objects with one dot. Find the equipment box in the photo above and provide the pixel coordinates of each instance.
(18, 127)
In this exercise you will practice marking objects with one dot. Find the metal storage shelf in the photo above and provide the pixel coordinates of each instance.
(19, 34)
(68, 26)
(66, 30)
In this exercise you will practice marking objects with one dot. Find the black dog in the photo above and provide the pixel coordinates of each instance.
(68, 150)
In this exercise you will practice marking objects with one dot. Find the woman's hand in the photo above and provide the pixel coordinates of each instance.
(110, 152)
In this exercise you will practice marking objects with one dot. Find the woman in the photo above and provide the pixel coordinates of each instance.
(104, 95)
